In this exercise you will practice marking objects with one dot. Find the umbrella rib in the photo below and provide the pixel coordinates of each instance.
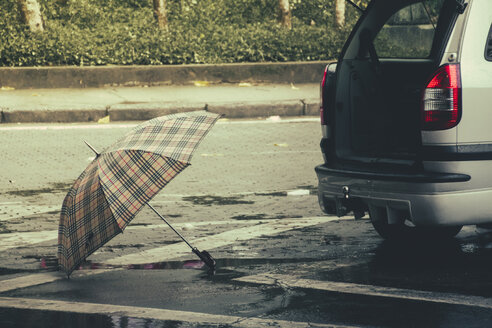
(151, 207)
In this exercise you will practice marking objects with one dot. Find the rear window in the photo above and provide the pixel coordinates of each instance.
(488, 46)
(409, 33)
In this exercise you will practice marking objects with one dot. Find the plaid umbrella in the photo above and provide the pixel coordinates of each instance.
(122, 179)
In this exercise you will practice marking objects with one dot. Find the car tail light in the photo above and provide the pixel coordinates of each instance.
(322, 94)
(441, 103)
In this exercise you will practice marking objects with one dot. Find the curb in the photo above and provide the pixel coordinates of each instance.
(104, 76)
(308, 107)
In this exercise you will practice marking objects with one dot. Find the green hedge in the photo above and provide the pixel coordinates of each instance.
(123, 32)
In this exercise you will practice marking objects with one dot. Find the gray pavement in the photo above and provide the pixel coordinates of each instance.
(234, 100)
(249, 198)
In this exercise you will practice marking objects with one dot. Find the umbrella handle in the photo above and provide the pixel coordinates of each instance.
(205, 257)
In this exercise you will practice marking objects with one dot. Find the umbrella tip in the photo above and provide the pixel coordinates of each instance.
(206, 258)
(92, 148)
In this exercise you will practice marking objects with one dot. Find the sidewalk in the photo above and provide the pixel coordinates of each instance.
(234, 100)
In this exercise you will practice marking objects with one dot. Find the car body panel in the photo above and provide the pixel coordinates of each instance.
(349, 182)
(476, 77)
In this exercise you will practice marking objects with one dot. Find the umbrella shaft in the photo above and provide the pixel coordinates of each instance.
(170, 226)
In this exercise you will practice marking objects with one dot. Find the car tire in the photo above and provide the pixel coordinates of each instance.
(401, 230)
(443, 232)
(390, 231)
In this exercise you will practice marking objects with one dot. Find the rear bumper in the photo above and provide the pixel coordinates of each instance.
(416, 177)
(425, 198)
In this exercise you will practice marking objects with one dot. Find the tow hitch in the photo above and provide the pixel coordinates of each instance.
(341, 206)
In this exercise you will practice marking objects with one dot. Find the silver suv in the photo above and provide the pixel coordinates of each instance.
(406, 116)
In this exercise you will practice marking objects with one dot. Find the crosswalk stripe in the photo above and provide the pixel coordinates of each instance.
(178, 250)
(44, 127)
(21, 239)
(42, 278)
(290, 281)
(151, 313)
(28, 281)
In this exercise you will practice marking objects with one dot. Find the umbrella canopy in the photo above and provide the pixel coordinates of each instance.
(122, 179)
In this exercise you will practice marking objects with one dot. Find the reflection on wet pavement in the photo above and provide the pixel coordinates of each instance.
(15, 318)
(444, 266)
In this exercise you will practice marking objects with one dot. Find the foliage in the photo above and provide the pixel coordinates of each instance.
(123, 32)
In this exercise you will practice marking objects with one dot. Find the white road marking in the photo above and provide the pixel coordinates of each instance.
(36, 127)
(23, 239)
(13, 210)
(196, 224)
(308, 119)
(298, 192)
(178, 250)
(28, 281)
(75, 126)
(41, 278)
(151, 313)
(284, 152)
(368, 290)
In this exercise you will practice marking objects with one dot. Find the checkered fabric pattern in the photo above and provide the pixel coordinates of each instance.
(122, 179)
(131, 178)
(174, 136)
(86, 220)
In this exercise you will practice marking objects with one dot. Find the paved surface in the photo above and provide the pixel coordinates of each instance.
(250, 199)
(238, 100)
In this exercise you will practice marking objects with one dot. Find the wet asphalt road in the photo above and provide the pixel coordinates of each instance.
(249, 198)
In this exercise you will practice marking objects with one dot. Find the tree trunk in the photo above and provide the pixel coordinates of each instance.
(285, 14)
(160, 13)
(340, 13)
(31, 15)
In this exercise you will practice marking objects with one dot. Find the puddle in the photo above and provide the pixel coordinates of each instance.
(51, 264)
(216, 200)
(259, 217)
(125, 246)
(4, 229)
(249, 217)
(10, 318)
(276, 237)
(7, 271)
(41, 319)
(274, 194)
(330, 239)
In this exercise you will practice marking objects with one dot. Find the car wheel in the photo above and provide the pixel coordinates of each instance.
(438, 232)
(390, 231)
(402, 230)
(379, 220)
